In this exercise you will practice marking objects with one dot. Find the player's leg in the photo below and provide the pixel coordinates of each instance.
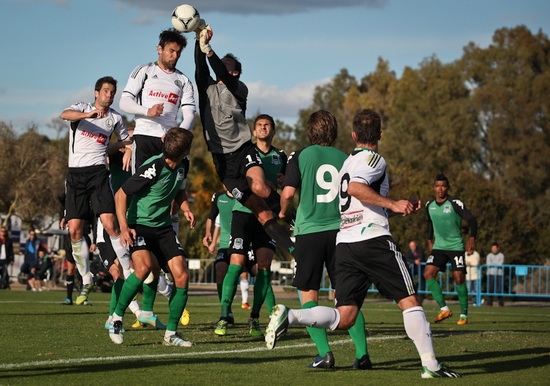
(244, 285)
(177, 302)
(262, 283)
(436, 262)
(459, 276)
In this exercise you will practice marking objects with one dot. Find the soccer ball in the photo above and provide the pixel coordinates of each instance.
(185, 18)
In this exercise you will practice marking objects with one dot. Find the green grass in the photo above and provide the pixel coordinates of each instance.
(43, 342)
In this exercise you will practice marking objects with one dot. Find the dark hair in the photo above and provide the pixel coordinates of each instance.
(495, 244)
(237, 66)
(442, 177)
(106, 79)
(367, 126)
(172, 36)
(322, 128)
(265, 116)
(177, 142)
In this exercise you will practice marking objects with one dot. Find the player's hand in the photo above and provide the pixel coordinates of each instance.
(156, 110)
(190, 217)
(97, 114)
(404, 207)
(206, 240)
(127, 237)
(204, 39)
(200, 27)
(416, 203)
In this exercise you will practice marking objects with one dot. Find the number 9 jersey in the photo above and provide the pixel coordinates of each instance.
(360, 221)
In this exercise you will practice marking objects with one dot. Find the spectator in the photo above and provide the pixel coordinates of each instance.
(30, 253)
(472, 270)
(6, 258)
(494, 274)
(39, 272)
(414, 258)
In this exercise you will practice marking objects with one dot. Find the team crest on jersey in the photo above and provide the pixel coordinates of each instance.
(430, 259)
(150, 173)
(140, 241)
(275, 159)
(447, 208)
(178, 83)
(110, 122)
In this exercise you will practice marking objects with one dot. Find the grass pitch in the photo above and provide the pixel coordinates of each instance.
(43, 342)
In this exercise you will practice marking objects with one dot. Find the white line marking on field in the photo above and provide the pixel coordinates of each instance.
(11, 366)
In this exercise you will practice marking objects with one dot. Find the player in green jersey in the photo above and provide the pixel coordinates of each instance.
(445, 215)
(313, 173)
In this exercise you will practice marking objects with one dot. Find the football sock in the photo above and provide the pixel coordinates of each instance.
(358, 335)
(462, 292)
(134, 307)
(270, 299)
(318, 335)
(163, 287)
(418, 330)
(176, 305)
(82, 259)
(121, 253)
(115, 293)
(70, 286)
(130, 288)
(320, 317)
(244, 284)
(435, 289)
(229, 288)
(219, 287)
(149, 295)
(260, 290)
(277, 233)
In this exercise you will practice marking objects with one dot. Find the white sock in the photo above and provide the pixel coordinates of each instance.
(134, 307)
(244, 290)
(121, 253)
(168, 334)
(419, 331)
(163, 287)
(82, 259)
(318, 317)
(116, 317)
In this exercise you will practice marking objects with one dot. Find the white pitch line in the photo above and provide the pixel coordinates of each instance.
(11, 366)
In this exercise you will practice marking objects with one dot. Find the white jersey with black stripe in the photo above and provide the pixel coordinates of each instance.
(149, 85)
(362, 221)
(89, 137)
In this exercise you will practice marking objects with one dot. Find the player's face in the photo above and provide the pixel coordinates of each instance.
(263, 129)
(169, 55)
(105, 96)
(441, 188)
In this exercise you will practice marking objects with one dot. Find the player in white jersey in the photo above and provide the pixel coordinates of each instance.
(366, 254)
(155, 93)
(88, 186)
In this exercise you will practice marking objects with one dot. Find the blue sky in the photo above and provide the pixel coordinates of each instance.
(53, 51)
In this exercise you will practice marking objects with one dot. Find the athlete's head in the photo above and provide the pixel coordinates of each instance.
(322, 128)
(171, 44)
(104, 91)
(367, 127)
(177, 143)
(441, 186)
(264, 127)
(234, 67)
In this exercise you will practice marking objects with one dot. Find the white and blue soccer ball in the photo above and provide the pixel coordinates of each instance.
(185, 18)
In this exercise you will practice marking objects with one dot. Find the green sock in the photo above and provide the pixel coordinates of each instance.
(230, 288)
(149, 295)
(261, 282)
(176, 305)
(115, 293)
(435, 289)
(462, 291)
(131, 286)
(318, 335)
(270, 299)
(359, 336)
(219, 287)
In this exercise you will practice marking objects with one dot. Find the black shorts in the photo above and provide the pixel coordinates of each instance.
(225, 257)
(246, 233)
(145, 147)
(88, 191)
(376, 261)
(161, 242)
(232, 167)
(312, 253)
(440, 258)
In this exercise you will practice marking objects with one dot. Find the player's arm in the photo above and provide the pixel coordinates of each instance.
(367, 195)
(286, 200)
(429, 229)
(183, 204)
(127, 235)
(73, 115)
(466, 215)
(215, 240)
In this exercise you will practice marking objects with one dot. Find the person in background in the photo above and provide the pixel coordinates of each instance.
(472, 273)
(6, 257)
(415, 258)
(495, 260)
(30, 255)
